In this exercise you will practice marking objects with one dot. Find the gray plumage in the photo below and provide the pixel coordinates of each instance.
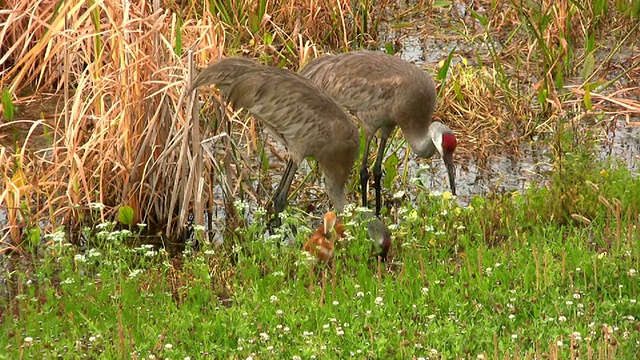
(297, 113)
(383, 92)
(381, 237)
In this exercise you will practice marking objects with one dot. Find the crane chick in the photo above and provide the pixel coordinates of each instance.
(321, 244)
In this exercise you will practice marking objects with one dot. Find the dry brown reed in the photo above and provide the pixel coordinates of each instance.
(122, 135)
(518, 71)
(116, 127)
(285, 32)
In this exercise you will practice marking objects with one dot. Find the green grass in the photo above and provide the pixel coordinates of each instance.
(505, 275)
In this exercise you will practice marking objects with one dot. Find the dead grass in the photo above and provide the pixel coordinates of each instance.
(121, 132)
(287, 32)
(114, 126)
(121, 135)
(520, 71)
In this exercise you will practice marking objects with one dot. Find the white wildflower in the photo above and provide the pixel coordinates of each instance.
(96, 206)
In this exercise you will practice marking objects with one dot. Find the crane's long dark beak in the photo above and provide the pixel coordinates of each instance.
(451, 171)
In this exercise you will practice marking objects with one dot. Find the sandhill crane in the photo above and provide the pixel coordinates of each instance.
(323, 240)
(297, 113)
(383, 91)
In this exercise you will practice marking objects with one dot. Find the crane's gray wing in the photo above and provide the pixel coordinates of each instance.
(357, 81)
(291, 105)
(223, 72)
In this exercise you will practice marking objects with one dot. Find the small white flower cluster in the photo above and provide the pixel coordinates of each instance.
(57, 237)
(134, 274)
(96, 206)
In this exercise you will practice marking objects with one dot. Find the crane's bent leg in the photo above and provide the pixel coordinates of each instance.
(364, 170)
(377, 174)
(280, 196)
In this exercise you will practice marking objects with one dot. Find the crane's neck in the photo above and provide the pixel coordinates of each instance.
(329, 224)
(427, 142)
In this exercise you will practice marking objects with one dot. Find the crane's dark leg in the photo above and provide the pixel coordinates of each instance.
(279, 199)
(377, 173)
(364, 171)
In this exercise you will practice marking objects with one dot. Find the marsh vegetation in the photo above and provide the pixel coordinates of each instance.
(103, 173)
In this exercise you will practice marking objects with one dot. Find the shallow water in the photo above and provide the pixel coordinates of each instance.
(508, 172)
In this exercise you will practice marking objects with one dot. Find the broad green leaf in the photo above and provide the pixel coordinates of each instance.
(390, 169)
(388, 47)
(125, 215)
(589, 65)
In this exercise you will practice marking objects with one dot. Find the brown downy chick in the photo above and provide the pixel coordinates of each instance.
(322, 241)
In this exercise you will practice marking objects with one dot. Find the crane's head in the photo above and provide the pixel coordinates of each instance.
(381, 237)
(445, 143)
(329, 220)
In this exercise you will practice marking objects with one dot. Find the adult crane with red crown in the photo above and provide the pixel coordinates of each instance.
(383, 92)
